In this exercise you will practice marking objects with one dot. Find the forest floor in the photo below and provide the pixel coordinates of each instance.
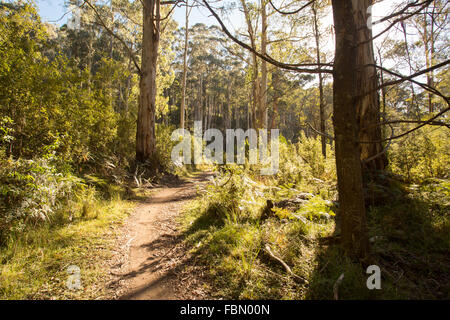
(156, 262)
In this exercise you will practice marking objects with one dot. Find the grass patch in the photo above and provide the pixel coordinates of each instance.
(34, 263)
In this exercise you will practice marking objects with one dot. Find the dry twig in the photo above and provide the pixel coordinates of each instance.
(288, 269)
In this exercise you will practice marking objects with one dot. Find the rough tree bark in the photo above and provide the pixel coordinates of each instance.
(348, 164)
(145, 135)
(368, 106)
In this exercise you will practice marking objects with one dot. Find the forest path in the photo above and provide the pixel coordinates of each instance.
(156, 254)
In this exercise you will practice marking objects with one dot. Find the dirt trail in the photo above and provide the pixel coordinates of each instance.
(155, 258)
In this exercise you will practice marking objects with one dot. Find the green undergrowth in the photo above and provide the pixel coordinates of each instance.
(34, 264)
(230, 225)
(50, 220)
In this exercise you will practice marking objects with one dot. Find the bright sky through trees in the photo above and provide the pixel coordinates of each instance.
(54, 10)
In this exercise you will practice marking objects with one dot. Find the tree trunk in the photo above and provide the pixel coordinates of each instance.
(183, 92)
(145, 136)
(274, 121)
(408, 55)
(383, 89)
(321, 97)
(237, 124)
(248, 115)
(428, 41)
(202, 99)
(198, 105)
(263, 89)
(255, 99)
(227, 106)
(368, 105)
(345, 122)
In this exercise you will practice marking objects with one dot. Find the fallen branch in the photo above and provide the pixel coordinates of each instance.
(288, 269)
(225, 183)
(336, 287)
(128, 243)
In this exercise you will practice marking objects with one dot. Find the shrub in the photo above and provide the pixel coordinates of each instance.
(424, 154)
(303, 162)
(164, 147)
(31, 191)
